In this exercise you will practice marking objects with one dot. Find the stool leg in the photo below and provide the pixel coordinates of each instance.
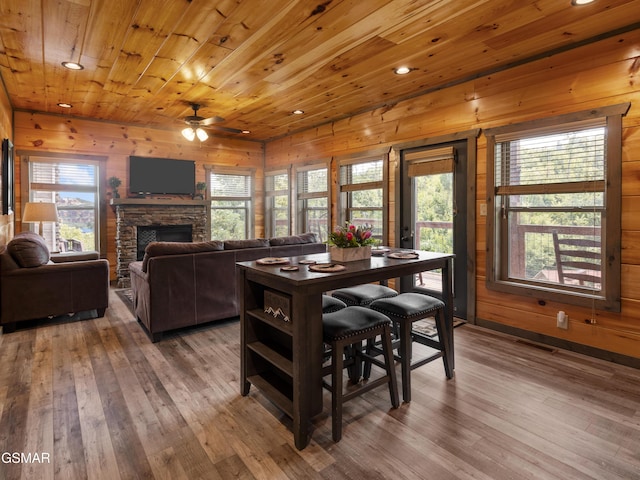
(355, 370)
(441, 327)
(336, 391)
(391, 367)
(405, 358)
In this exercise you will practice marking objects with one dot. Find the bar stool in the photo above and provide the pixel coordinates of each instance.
(404, 310)
(331, 304)
(341, 329)
(363, 295)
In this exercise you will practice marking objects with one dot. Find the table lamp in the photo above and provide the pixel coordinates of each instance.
(38, 212)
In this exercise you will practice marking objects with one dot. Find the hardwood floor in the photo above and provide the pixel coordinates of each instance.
(102, 401)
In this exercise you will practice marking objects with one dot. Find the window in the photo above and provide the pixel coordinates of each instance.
(276, 217)
(313, 200)
(362, 193)
(73, 185)
(231, 204)
(554, 179)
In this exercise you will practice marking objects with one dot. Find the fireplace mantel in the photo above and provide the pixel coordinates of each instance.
(158, 201)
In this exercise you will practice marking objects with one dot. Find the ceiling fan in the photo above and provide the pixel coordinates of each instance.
(196, 123)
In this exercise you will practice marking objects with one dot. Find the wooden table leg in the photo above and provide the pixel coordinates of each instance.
(307, 364)
(447, 293)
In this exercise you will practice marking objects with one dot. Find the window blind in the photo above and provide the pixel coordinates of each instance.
(312, 181)
(430, 162)
(277, 182)
(230, 185)
(363, 172)
(51, 173)
(567, 162)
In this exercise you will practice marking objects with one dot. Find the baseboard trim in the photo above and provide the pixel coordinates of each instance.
(560, 343)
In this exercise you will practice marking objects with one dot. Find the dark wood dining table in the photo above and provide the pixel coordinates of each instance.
(281, 324)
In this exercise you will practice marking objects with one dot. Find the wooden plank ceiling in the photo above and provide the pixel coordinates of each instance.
(253, 62)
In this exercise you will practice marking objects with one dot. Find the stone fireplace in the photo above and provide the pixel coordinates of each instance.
(159, 220)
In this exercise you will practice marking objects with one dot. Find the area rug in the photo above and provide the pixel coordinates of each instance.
(428, 327)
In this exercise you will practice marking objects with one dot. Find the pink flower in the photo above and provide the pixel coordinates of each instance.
(366, 234)
(349, 236)
(352, 228)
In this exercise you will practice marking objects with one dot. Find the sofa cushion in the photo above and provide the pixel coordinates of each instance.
(240, 244)
(294, 239)
(155, 249)
(28, 249)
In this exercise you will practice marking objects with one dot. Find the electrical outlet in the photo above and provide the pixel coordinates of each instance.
(483, 209)
(562, 320)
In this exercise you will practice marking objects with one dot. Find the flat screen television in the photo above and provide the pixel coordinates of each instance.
(161, 176)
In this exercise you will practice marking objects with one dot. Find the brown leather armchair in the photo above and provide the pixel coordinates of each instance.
(32, 287)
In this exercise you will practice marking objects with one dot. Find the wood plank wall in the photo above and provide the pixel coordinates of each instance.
(604, 73)
(6, 221)
(40, 133)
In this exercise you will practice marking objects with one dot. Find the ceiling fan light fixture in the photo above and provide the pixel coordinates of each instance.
(201, 134)
(189, 133)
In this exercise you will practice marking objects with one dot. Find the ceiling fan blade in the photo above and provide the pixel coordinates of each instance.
(193, 120)
(211, 120)
(224, 129)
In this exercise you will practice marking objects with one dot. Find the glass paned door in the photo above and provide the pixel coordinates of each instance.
(433, 218)
(433, 226)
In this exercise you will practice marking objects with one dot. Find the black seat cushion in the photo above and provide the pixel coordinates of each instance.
(350, 321)
(331, 304)
(363, 294)
(407, 305)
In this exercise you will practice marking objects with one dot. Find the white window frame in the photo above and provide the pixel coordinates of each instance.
(608, 297)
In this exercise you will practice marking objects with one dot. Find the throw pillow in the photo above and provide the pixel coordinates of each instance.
(294, 239)
(240, 244)
(29, 250)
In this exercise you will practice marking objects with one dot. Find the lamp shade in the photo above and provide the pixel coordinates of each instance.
(40, 212)
(189, 133)
(202, 135)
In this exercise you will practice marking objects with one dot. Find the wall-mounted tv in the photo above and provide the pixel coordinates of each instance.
(161, 176)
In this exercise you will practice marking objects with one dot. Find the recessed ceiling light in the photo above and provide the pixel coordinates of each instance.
(298, 112)
(246, 131)
(580, 2)
(72, 65)
(402, 70)
(65, 105)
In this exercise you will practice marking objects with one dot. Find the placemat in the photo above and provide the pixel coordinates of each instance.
(327, 267)
(272, 261)
(403, 255)
(379, 251)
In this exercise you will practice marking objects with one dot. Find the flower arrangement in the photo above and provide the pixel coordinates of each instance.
(351, 236)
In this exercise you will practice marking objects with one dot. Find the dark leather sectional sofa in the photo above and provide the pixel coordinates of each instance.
(184, 284)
